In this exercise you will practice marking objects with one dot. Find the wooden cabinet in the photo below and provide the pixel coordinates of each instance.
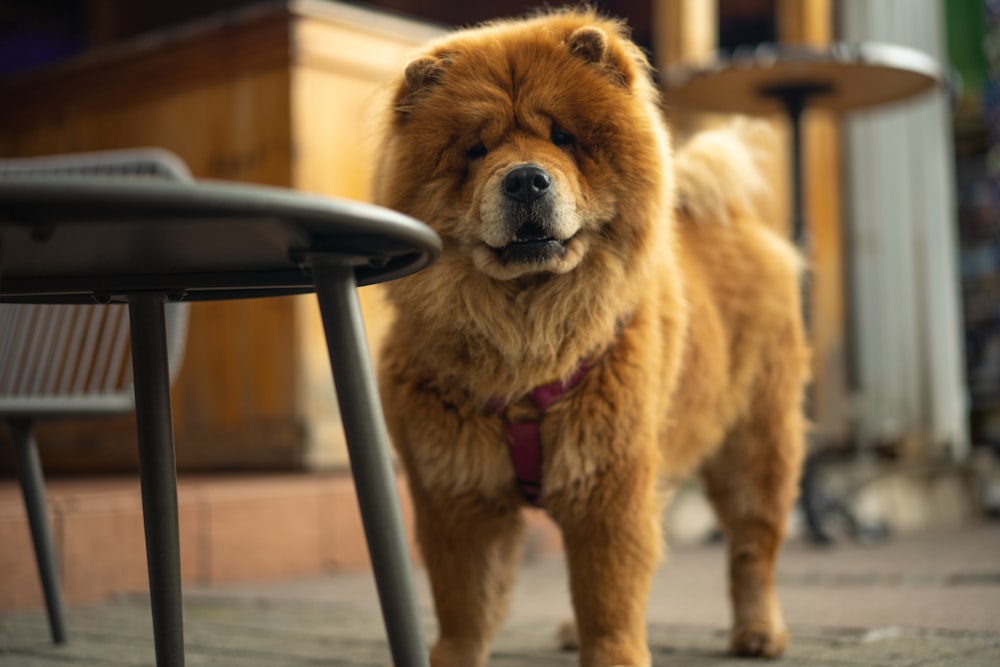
(282, 94)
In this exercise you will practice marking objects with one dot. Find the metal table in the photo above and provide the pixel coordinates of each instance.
(86, 240)
(789, 78)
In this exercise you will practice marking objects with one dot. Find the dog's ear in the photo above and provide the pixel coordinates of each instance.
(423, 71)
(592, 45)
(421, 74)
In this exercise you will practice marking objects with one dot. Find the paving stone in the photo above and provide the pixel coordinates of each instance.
(238, 633)
(932, 601)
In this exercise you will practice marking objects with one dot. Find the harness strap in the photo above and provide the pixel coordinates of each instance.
(524, 441)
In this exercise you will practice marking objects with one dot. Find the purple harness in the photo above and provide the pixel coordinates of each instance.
(523, 438)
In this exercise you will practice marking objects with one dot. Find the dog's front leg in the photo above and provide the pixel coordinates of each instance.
(611, 533)
(470, 547)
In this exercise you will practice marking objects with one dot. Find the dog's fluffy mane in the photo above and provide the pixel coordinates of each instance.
(530, 331)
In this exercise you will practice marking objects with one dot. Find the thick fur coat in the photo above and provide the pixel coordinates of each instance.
(573, 235)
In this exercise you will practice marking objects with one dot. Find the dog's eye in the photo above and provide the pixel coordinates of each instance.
(476, 152)
(561, 139)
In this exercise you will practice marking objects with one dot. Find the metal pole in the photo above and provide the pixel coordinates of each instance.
(158, 474)
(814, 503)
(794, 106)
(368, 448)
(29, 469)
(793, 99)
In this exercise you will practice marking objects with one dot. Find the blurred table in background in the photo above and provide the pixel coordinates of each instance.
(790, 79)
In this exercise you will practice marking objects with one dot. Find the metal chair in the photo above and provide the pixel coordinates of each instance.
(63, 361)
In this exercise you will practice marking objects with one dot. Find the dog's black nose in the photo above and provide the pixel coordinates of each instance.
(527, 183)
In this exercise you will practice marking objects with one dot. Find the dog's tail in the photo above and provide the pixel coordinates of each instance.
(728, 174)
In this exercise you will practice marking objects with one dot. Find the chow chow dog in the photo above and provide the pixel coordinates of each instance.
(606, 317)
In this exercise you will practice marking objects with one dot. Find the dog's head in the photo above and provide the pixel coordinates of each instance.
(527, 144)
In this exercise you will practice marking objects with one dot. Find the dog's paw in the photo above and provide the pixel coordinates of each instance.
(617, 657)
(758, 641)
(447, 654)
(567, 636)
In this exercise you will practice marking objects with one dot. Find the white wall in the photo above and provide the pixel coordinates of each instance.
(900, 226)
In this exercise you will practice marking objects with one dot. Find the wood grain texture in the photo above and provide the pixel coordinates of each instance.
(278, 95)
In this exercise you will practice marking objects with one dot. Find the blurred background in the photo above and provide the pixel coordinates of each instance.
(903, 202)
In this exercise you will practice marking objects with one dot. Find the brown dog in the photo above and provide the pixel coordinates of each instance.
(603, 316)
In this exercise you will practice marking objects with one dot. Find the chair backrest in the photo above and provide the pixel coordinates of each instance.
(74, 359)
(134, 162)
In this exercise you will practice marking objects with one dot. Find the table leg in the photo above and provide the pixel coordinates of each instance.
(812, 496)
(795, 108)
(367, 444)
(158, 474)
(794, 98)
(817, 505)
(29, 470)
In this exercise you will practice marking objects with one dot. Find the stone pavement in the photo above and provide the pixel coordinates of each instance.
(930, 599)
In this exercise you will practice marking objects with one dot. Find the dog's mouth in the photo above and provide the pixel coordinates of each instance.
(531, 252)
(531, 245)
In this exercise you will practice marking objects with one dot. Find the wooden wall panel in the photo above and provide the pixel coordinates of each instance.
(684, 31)
(235, 400)
(273, 95)
(339, 87)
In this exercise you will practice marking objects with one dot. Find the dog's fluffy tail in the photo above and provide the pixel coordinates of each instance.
(725, 174)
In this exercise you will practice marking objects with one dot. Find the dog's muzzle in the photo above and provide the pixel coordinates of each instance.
(528, 196)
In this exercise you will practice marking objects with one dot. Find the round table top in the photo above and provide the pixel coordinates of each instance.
(81, 239)
(841, 77)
